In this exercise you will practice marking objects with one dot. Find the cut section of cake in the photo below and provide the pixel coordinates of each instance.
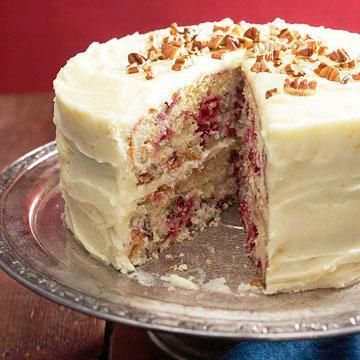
(159, 133)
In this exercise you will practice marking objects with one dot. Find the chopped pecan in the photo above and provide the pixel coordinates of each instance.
(218, 54)
(236, 30)
(132, 70)
(173, 29)
(268, 56)
(180, 60)
(300, 87)
(231, 43)
(273, 55)
(252, 33)
(260, 49)
(171, 49)
(276, 54)
(246, 43)
(294, 70)
(188, 33)
(153, 53)
(286, 34)
(339, 55)
(356, 76)
(215, 42)
(177, 66)
(200, 44)
(323, 50)
(307, 49)
(135, 58)
(177, 43)
(260, 66)
(328, 72)
(189, 46)
(348, 65)
(149, 74)
(270, 93)
(277, 62)
(221, 28)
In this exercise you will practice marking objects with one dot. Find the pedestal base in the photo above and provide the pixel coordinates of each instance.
(169, 346)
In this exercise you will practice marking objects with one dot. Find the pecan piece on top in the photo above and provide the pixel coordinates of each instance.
(286, 34)
(270, 93)
(260, 66)
(135, 58)
(231, 43)
(300, 87)
(308, 49)
(294, 70)
(174, 29)
(171, 49)
(215, 42)
(252, 33)
(200, 44)
(339, 55)
(328, 72)
(221, 28)
(132, 70)
(179, 63)
(177, 66)
(149, 74)
(218, 54)
(348, 64)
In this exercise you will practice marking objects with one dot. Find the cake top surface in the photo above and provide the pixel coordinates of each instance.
(312, 73)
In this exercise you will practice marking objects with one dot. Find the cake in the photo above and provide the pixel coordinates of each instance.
(159, 133)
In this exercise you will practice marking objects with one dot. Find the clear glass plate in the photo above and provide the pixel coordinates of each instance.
(38, 251)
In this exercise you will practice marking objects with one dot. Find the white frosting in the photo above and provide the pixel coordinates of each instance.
(312, 145)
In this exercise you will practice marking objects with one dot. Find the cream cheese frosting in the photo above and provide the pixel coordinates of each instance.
(312, 146)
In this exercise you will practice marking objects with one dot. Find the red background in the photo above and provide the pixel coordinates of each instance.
(38, 36)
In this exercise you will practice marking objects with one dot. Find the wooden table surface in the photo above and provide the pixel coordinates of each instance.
(32, 327)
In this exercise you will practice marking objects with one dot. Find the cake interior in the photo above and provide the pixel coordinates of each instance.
(210, 129)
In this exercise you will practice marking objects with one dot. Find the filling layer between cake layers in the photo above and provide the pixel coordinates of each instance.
(183, 158)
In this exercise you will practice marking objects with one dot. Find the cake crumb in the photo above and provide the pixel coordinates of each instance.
(143, 278)
(217, 285)
(180, 267)
(248, 289)
(180, 282)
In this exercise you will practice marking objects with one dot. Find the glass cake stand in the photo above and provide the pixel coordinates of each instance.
(38, 251)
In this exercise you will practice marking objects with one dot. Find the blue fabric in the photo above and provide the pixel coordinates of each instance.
(337, 348)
